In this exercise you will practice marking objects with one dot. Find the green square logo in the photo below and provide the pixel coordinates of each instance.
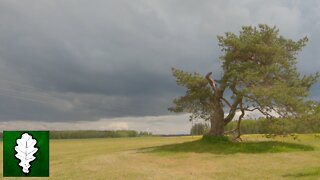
(26, 153)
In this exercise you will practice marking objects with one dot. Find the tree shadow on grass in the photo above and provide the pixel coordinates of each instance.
(224, 146)
(313, 172)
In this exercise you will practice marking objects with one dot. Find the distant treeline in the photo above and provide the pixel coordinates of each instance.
(278, 126)
(173, 135)
(267, 126)
(94, 134)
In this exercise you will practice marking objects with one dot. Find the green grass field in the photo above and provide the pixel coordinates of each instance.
(184, 158)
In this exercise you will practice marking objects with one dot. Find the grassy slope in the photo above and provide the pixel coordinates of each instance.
(124, 158)
(225, 146)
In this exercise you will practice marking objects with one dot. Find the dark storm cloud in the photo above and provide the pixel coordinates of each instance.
(87, 60)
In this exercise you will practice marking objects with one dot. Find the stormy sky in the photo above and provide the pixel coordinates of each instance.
(82, 64)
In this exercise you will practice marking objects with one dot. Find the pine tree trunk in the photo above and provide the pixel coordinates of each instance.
(217, 120)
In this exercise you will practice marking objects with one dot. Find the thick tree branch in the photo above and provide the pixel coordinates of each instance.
(226, 101)
(237, 131)
(211, 81)
(239, 121)
(268, 115)
(235, 104)
(278, 112)
(247, 109)
(232, 111)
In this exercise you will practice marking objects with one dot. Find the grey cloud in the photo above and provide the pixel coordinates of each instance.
(84, 60)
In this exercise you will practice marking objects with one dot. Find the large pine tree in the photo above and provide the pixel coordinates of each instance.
(259, 69)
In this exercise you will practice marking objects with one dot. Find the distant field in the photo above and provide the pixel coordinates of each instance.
(127, 158)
